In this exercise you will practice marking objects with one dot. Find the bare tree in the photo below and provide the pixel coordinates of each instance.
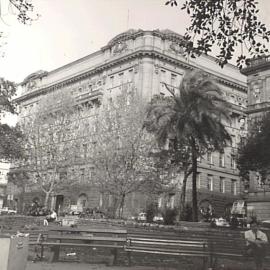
(50, 142)
(120, 147)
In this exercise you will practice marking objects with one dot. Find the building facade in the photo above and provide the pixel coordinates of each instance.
(143, 61)
(258, 78)
(4, 169)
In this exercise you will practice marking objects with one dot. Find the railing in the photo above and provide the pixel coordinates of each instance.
(259, 61)
(124, 86)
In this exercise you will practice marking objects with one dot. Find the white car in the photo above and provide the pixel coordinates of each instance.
(7, 211)
(221, 222)
(266, 223)
(158, 219)
(142, 217)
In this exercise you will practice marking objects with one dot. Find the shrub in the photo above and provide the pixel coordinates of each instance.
(186, 214)
(169, 216)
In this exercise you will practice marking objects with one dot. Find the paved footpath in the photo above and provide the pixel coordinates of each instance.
(84, 266)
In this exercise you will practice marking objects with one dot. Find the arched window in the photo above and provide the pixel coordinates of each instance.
(82, 200)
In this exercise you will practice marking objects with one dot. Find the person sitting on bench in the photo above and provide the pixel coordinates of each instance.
(51, 217)
(256, 241)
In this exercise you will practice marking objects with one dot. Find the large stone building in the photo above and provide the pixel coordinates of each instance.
(143, 60)
(258, 76)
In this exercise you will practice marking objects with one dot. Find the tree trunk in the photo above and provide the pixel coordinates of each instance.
(194, 185)
(20, 204)
(46, 199)
(183, 196)
(121, 207)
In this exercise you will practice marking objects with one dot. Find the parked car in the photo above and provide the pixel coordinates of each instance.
(158, 219)
(265, 223)
(142, 217)
(221, 222)
(7, 211)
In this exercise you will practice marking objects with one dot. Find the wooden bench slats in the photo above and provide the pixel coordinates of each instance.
(79, 245)
(88, 230)
(172, 244)
(166, 251)
(163, 240)
(85, 238)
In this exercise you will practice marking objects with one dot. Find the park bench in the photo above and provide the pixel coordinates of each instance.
(113, 239)
(217, 244)
(161, 243)
(230, 246)
(33, 234)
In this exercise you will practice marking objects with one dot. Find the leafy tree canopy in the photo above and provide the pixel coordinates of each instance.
(224, 24)
(254, 155)
(7, 91)
(23, 10)
(10, 142)
(10, 137)
(193, 116)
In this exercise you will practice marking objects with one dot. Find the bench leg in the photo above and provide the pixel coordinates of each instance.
(114, 254)
(56, 252)
(41, 252)
(205, 261)
(129, 258)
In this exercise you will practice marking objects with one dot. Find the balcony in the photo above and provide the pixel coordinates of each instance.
(89, 95)
(257, 64)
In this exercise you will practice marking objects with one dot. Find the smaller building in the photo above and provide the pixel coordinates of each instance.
(258, 75)
(4, 169)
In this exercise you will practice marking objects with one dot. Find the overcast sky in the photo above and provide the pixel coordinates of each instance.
(70, 29)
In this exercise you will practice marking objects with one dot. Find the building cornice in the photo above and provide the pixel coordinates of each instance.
(257, 65)
(133, 34)
(264, 107)
(126, 58)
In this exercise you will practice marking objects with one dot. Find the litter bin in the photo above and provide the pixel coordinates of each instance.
(13, 251)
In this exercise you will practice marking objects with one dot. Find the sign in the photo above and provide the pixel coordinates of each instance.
(238, 207)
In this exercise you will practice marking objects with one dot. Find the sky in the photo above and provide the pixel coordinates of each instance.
(70, 29)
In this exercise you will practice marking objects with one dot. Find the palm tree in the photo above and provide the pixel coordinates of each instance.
(193, 116)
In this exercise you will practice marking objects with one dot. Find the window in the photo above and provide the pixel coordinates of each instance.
(112, 81)
(233, 162)
(209, 157)
(210, 184)
(173, 79)
(162, 81)
(221, 159)
(233, 187)
(121, 77)
(84, 150)
(130, 75)
(100, 200)
(222, 184)
(163, 76)
(82, 172)
(170, 202)
(159, 202)
(233, 140)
